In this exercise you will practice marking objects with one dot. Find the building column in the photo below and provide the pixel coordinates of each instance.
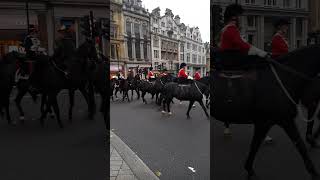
(293, 33)
(125, 50)
(50, 31)
(134, 49)
(261, 33)
(141, 49)
(304, 31)
(149, 55)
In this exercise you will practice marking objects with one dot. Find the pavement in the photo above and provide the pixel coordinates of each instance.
(125, 164)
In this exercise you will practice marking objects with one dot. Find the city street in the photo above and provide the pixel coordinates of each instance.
(166, 144)
(277, 161)
(50, 153)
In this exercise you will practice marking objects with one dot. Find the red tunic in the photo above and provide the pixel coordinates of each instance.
(279, 45)
(150, 74)
(197, 76)
(182, 73)
(231, 39)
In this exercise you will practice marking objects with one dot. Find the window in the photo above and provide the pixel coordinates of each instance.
(250, 38)
(144, 30)
(162, 32)
(145, 50)
(163, 24)
(113, 51)
(251, 21)
(298, 3)
(182, 57)
(128, 28)
(188, 45)
(194, 47)
(286, 3)
(113, 31)
(137, 47)
(155, 42)
(137, 30)
(181, 47)
(299, 27)
(194, 58)
(188, 57)
(199, 49)
(199, 59)
(156, 53)
(111, 16)
(129, 45)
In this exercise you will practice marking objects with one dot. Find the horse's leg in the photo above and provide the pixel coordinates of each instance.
(20, 95)
(309, 135)
(204, 108)
(168, 105)
(54, 102)
(293, 133)
(142, 95)
(44, 101)
(86, 96)
(8, 111)
(189, 108)
(260, 132)
(71, 103)
(127, 94)
(132, 94)
(164, 105)
(92, 98)
(138, 93)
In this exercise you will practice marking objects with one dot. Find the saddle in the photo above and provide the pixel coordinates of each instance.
(234, 86)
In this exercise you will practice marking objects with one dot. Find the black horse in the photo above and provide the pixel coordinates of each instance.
(7, 79)
(258, 98)
(185, 92)
(133, 85)
(51, 79)
(124, 87)
(146, 87)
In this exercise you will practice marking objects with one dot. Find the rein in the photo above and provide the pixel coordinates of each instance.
(195, 83)
(298, 106)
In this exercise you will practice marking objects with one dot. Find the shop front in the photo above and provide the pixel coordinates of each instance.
(115, 69)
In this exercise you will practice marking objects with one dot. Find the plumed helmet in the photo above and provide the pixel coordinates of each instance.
(232, 10)
(182, 65)
(151, 68)
(281, 21)
(32, 28)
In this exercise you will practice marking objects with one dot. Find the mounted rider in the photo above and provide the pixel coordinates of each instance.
(182, 75)
(151, 76)
(233, 50)
(197, 75)
(279, 43)
(65, 48)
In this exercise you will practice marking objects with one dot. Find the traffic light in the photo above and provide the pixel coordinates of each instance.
(85, 25)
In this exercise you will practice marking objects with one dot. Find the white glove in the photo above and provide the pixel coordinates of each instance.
(189, 77)
(255, 51)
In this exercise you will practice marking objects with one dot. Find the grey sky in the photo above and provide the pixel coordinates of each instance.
(192, 13)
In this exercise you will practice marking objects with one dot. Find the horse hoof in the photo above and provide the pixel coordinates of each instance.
(252, 175)
(13, 123)
(21, 118)
(227, 132)
(315, 177)
(163, 112)
(170, 113)
(188, 117)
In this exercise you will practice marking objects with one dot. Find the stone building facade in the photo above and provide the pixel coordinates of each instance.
(257, 22)
(165, 35)
(173, 43)
(137, 41)
(48, 16)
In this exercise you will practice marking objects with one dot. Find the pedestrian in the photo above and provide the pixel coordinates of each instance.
(279, 45)
(231, 42)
